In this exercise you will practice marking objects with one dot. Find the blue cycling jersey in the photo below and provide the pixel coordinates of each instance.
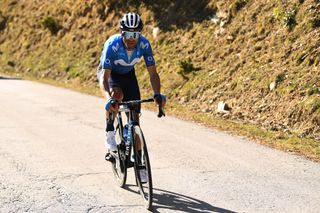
(114, 55)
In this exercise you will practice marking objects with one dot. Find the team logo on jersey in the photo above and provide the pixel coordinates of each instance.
(123, 63)
(150, 58)
(107, 61)
(144, 45)
(115, 47)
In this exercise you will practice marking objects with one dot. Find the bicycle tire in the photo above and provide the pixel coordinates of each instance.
(145, 189)
(118, 165)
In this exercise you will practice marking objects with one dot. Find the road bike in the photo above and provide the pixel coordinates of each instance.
(132, 150)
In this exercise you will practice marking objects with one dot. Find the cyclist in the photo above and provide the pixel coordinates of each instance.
(116, 71)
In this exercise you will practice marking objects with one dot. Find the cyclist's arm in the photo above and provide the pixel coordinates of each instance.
(154, 79)
(106, 61)
(103, 82)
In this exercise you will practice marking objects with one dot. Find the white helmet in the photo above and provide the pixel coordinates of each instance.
(131, 22)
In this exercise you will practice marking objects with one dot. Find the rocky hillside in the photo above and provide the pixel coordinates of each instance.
(261, 58)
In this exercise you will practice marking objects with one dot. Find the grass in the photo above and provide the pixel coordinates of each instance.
(197, 64)
(281, 77)
(51, 24)
(186, 66)
(315, 105)
(305, 147)
(315, 23)
(309, 148)
(238, 5)
(312, 104)
(286, 17)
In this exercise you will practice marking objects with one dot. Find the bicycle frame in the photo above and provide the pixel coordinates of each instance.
(131, 122)
(128, 142)
(132, 150)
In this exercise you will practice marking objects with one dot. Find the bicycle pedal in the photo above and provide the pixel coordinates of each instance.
(110, 157)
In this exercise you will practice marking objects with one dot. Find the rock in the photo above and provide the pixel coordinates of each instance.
(223, 23)
(222, 15)
(183, 99)
(223, 107)
(155, 32)
(272, 86)
(230, 38)
(215, 19)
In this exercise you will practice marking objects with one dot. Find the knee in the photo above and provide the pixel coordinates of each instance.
(118, 97)
(117, 94)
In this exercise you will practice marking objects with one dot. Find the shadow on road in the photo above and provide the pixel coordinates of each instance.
(163, 199)
(173, 201)
(9, 78)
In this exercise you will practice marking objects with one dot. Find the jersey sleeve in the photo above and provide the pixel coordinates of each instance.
(106, 57)
(147, 53)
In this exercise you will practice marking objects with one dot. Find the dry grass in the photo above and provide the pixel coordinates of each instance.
(200, 62)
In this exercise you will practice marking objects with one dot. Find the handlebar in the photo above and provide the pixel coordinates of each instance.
(134, 103)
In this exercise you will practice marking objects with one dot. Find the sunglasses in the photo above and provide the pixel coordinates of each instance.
(134, 35)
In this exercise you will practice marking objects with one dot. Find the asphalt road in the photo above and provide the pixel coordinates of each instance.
(52, 160)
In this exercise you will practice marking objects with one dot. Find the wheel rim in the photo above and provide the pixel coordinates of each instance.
(118, 166)
(144, 188)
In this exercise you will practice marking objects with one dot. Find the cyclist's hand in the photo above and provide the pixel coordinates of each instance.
(111, 105)
(160, 99)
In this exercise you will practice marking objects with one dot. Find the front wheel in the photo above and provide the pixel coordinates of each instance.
(118, 165)
(142, 167)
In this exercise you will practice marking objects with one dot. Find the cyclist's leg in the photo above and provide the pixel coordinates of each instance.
(116, 89)
(116, 93)
(132, 92)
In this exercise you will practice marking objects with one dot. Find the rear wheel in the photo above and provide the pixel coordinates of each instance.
(118, 165)
(142, 162)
